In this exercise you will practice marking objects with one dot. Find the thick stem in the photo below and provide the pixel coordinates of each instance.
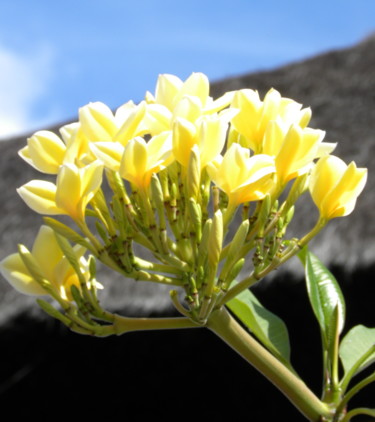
(226, 327)
(124, 324)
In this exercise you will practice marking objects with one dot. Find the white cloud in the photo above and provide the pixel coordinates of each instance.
(24, 79)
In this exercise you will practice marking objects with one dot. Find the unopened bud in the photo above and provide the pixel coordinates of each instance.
(32, 266)
(233, 273)
(215, 239)
(53, 312)
(305, 116)
(235, 248)
(264, 212)
(157, 192)
(203, 247)
(193, 173)
(67, 232)
(299, 186)
(196, 218)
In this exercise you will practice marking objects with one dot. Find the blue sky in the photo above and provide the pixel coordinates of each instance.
(56, 56)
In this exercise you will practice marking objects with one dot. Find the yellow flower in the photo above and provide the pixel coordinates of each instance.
(141, 159)
(241, 177)
(170, 90)
(97, 122)
(52, 265)
(44, 151)
(334, 186)
(208, 133)
(294, 148)
(74, 189)
(255, 115)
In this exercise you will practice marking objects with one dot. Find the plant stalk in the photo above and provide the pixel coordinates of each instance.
(227, 328)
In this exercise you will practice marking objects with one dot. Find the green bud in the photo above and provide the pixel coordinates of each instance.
(193, 173)
(233, 273)
(67, 232)
(215, 240)
(238, 240)
(50, 310)
(119, 213)
(76, 294)
(203, 247)
(157, 192)
(299, 186)
(71, 256)
(289, 216)
(92, 267)
(33, 267)
(235, 248)
(164, 182)
(117, 185)
(196, 218)
(264, 212)
(174, 171)
(101, 231)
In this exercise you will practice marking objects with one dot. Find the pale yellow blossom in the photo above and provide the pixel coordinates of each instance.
(141, 159)
(334, 186)
(294, 148)
(241, 177)
(74, 189)
(45, 151)
(254, 115)
(52, 265)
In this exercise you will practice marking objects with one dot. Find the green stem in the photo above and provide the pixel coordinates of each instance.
(359, 411)
(123, 325)
(223, 325)
(356, 389)
(350, 374)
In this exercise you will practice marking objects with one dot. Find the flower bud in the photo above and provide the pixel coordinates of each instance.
(215, 239)
(194, 173)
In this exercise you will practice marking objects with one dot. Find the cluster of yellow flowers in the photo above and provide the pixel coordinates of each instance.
(247, 147)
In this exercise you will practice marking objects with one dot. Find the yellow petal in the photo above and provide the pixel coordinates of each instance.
(326, 173)
(46, 251)
(159, 150)
(91, 180)
(15, 272)
(40, 196)
(189, 108)
(97, 122)
(167, 89)
(109, 153)
(196, 85)
(212, 135)
(184, 137)
(342, 198)
(158, 119)
(44, 151)
(131, 124)
(68, 190)
(134, 161)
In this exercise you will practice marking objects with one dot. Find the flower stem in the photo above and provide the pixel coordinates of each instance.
(124, 324)
(225, 326)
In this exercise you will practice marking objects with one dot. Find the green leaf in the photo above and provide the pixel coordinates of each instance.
(266, 326)
(325, 295)
(354, 347)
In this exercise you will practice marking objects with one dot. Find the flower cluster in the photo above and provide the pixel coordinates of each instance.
(168, 161)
